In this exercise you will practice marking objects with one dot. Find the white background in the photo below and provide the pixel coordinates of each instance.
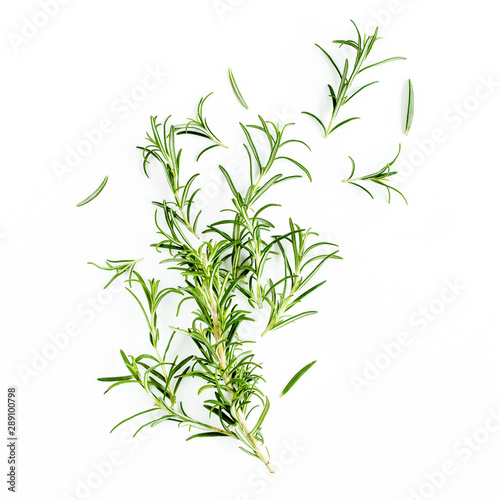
(378, 442)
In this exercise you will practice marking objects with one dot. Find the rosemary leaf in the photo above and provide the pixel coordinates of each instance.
(296, 378)
(236, 89)
(95, 194)
(411, 106)
(205, 434)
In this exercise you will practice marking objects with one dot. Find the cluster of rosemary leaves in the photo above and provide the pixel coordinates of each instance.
(226, 273)
(362, 46)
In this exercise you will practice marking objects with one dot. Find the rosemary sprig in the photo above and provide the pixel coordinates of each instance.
(199, 126)
(119, 267)
(223, 365)
(162, 147)
(218, 275)
(411, 107)
(248, 225)
(362, 46)
(96, 193)
(236, 89)
(296, 377)
(299, 269)
(381, 177)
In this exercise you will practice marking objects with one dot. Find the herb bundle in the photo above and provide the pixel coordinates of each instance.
(227, 273)
(224, 274)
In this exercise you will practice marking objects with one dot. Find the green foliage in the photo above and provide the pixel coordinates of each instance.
(236, 89)
(225, 277)
(95, 194)
(119, 267)
(199, 126)
(238, 264)
(411, 108)
(296, 377)
(162, 147)
(381, 177)
(362, 46)
(300, 267)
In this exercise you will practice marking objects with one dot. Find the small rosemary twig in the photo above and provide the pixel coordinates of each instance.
(381, 177)
(362, 46)
(199, 126)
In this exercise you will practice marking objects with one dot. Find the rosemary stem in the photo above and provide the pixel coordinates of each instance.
(250, 195)
(335, 112)
(223, 364)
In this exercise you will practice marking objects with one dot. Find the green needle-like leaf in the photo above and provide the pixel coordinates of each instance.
(411, 106)
(236, 89)
(296, 378)
(206, 434)
(95, 194)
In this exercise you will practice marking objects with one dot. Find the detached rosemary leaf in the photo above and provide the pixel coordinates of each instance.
(115, 379)
(96, 193)
(411, 106)
(235, 88)
(296, 377)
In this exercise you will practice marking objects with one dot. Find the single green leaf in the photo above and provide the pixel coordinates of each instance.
(236, 89)
(317, 119)
(296, 377)
(262, 416)
(411, 106)
(115, 379)
(133, 416)
(94, 194)
(206, 434)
